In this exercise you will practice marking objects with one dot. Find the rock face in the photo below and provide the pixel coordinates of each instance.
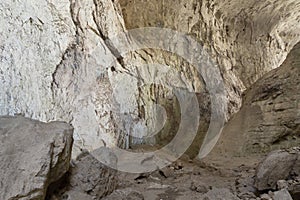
(32, 156)
(59, 61)
(53, 65)
(279, 165)
(235, 33)
(269, 118)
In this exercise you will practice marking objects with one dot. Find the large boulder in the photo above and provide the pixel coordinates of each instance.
(91, 176)
(278, 165)
(32, 156)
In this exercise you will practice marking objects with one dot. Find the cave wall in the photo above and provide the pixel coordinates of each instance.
(54, 66)
(270, 116)
(60, 61)
(246, 38)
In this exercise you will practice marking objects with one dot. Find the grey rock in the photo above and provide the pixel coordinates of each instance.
(294, 188)
(90, 176)
(296, 168)
(277, 166)
(282, 184)
(76, 195)
(125, 194)
(282, 195)
(246, 185)
(269, 117)
(246, 195)
(265, 197)
(219, 194)
(157, 186)
(199, 186)
(166, 172)
(32, 156)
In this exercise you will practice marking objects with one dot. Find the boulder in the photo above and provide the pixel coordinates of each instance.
(90, 176)
(282, 195)
(219, 194)
(199, 186)
(32, 156)
(277, 166)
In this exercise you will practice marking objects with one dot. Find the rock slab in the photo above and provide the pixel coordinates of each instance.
(32, 156)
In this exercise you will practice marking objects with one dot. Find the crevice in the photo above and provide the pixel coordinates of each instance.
(109, 44)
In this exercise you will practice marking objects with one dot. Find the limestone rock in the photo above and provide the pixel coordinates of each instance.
(32, 156)
(234, 31)
(125, 194)
(277, 166)
(269, 118)
(88, 175)
(199, 186)
(219, 194)
(282, 184)
(282, 195)
(44, 72)
(265, 197)
(59, 62)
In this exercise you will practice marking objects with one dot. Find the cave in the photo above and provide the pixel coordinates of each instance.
(150, 99)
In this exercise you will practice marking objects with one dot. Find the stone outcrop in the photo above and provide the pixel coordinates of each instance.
(269, 118)
(32, 156)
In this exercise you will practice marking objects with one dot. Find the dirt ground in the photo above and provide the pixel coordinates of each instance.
(190, 179)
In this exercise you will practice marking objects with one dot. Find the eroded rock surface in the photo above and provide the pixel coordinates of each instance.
(269, 118)
(32, 156)
(59, 61)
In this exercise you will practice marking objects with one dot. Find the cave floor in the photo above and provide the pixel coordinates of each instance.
(190, 179)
